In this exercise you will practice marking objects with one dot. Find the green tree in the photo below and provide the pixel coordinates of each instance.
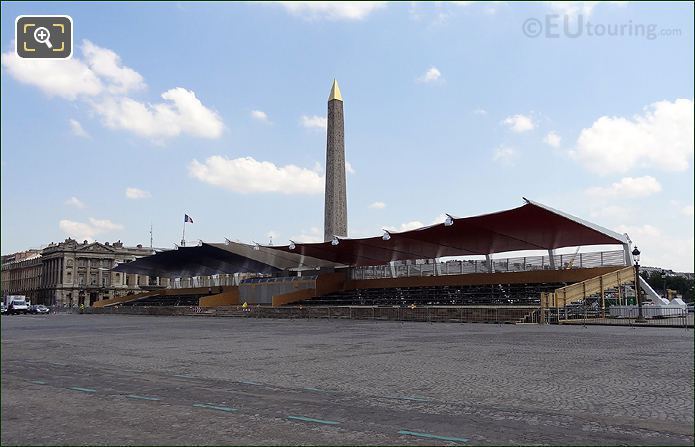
(683, 286)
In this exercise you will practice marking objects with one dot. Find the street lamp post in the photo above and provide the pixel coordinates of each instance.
(638, 289)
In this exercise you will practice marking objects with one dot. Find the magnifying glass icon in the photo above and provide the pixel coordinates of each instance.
(42, 35)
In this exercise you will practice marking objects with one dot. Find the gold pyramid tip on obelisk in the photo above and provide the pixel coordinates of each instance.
(335, 92)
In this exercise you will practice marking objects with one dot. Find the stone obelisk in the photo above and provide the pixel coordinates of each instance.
(335, 209)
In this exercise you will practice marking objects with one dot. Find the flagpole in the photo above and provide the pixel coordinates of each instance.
(183, 235)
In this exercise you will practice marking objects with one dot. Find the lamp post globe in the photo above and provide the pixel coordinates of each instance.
(635, 254)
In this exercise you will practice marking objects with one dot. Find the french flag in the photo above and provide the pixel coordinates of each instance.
(187, 218)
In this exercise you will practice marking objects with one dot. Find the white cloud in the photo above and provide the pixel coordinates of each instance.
(107, 64)
(259, 115)
(407, 226)
(314, 234)
(87, 231)
(100, 70)
(441, 12)
(246, 175)
(660, 249)
(574, 9)
(520, 123)
(505, 155)
(348, 168)
(662, 137)
(492, 7)
(414, 224)
(76, 230)
(101, 80)
(77, 129)
(338, 10)
(183, 113)
(135, 193)
(489, 7)
(687, 210)
(104, 225)
(628, 187)
(480, 112)
(378, 205)
(552, 139)
(64, 78)
(431, 75)
(314, 122)
(74, 201)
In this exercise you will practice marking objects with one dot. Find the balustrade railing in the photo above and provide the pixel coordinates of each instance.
(518, 264)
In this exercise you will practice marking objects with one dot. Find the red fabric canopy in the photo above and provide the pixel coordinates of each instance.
(530, 227)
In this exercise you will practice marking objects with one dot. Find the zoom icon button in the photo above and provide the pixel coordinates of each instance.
(44, 37)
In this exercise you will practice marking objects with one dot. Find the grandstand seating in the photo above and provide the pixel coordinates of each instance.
(499, 294)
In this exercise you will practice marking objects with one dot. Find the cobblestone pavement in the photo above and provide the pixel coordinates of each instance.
(102, 379)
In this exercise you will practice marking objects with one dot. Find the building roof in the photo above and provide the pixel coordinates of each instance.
(532, 226)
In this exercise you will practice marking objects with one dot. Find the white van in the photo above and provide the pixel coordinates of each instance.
(16, 304)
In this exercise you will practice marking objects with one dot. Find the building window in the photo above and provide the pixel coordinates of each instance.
(81, 280)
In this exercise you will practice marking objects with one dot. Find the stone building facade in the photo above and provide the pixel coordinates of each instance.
(71, 273)
(21, 274)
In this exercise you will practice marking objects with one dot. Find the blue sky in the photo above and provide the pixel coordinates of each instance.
(216, 110)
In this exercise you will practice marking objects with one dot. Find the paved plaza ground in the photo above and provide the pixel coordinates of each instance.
(109, 379)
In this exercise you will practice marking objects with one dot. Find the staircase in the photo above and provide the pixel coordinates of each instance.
(124, 299)
(580, 291)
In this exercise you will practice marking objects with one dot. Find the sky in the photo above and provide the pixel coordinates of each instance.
(218, 111)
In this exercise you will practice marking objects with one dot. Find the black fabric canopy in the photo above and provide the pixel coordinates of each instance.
(212, 259)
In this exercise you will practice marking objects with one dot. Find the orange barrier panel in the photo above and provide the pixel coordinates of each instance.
(330, 283)
(227, 298)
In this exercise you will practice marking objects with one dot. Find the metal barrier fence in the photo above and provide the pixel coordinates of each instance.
(152, 310)
(663, 316)
(451, 314)
(445, 314)
(571, 315)
(523, 264)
